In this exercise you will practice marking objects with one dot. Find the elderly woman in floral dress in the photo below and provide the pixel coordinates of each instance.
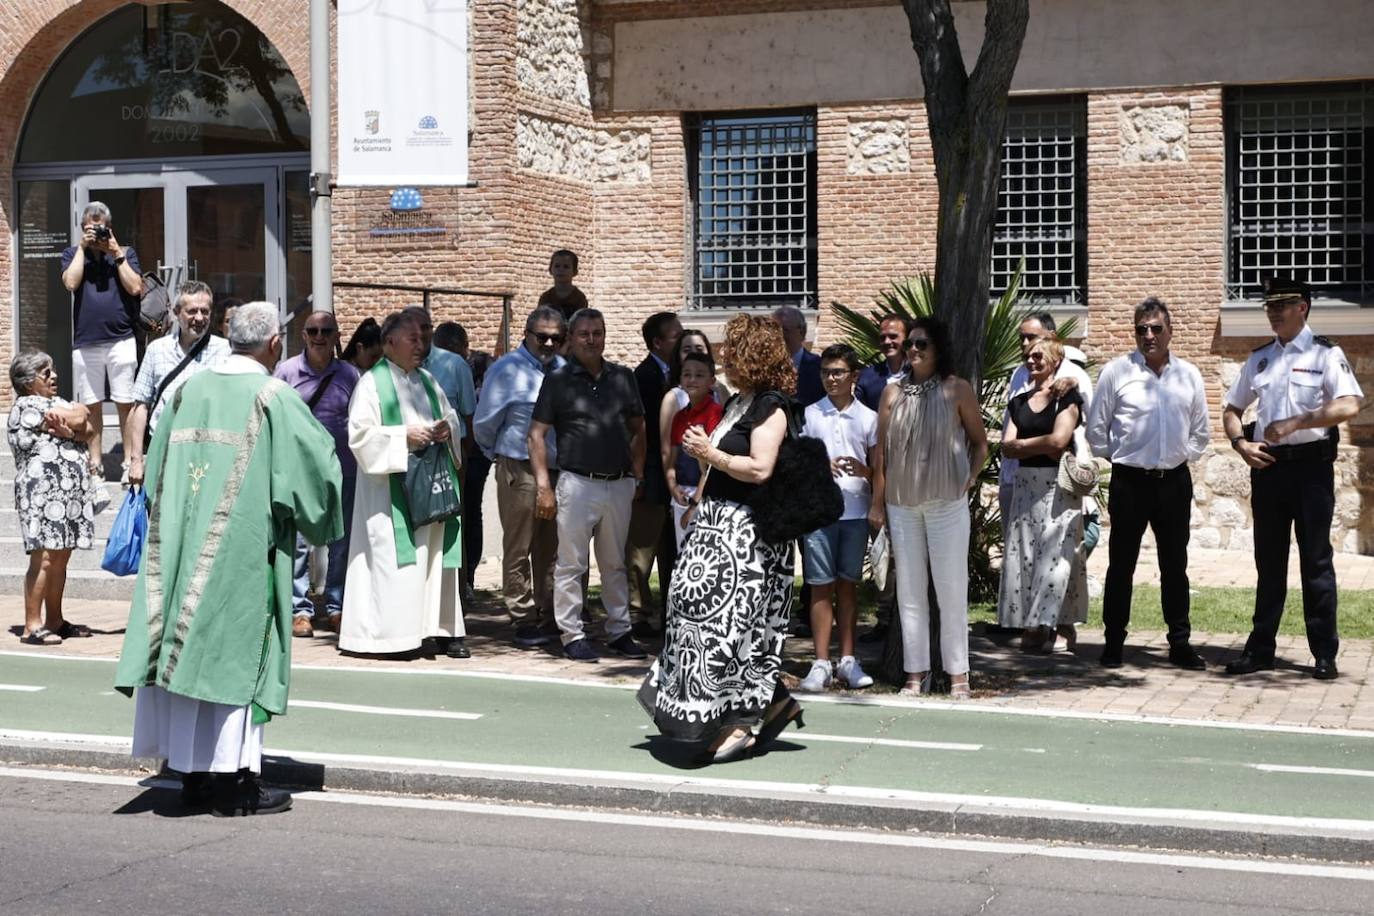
(52, 492)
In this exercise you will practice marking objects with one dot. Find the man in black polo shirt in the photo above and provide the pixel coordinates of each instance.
(105, 282)
(593, 407)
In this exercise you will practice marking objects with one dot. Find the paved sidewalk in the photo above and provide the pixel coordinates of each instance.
(1002, 675)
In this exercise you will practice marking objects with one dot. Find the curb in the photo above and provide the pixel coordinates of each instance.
(1315, 843)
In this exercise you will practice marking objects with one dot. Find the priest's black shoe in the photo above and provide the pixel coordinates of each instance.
(197, 790)
(1325, 670)
(241, 794)
(1185, 656)
(457, 648)
(1249, 663)
(1111, 655)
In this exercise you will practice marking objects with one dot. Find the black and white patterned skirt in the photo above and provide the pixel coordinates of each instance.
(725, 625)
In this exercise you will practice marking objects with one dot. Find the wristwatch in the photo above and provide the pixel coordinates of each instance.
(1235, 439)
(119, 260)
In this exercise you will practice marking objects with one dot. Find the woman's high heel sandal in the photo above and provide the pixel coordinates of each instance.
(732, 749)
(774, 726)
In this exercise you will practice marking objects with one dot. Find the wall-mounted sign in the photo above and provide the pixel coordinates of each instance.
(403, 92)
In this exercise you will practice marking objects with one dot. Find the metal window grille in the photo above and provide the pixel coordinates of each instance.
(754, 209)
(1299, 196)
(1041, 201)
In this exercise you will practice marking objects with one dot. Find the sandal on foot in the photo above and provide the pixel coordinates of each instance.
(915, 685)
(70, 630)
(41, 637)
(790, 712)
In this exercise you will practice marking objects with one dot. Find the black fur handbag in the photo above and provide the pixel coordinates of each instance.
(801, 496)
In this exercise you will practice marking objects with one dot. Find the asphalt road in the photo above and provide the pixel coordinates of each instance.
(118, 847)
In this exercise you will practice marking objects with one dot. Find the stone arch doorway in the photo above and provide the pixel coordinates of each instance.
(187, 122)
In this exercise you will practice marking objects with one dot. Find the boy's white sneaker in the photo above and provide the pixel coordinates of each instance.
(818, 678)
(849, 671)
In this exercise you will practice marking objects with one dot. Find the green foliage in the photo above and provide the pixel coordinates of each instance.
(914, 297)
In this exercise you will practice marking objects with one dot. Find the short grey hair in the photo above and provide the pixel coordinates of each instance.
(252, 325)
(585, 314)
(95, 210)
(397, 320)
(420, 314)
(546, 313)
(26, 367)
(192, 288)
(790, 315)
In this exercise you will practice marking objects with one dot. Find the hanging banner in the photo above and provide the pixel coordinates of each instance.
(403, 92)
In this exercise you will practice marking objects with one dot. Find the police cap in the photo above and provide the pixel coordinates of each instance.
(1282, 290)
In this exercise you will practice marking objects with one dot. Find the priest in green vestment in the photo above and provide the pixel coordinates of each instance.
(238, 466)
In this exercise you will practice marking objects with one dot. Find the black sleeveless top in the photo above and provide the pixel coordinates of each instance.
(721, 485)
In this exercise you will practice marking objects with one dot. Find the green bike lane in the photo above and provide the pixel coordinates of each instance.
(582, 731)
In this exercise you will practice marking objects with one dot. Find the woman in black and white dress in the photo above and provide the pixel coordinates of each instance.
(1044, 584)
(52, 493)
(718, 677)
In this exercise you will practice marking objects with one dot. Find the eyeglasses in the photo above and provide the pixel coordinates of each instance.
(1026, 337)
(917, 343)
(548, 338)
(320, 332)
(834, 373)
(49, 372)
(1142, 329)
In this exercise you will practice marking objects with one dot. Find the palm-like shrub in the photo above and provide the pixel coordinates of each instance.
(915, 297)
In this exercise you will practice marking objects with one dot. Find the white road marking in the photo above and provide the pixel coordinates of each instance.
(802, 790)
(887, 742)
(384, 710)
(817, 834)
(1310, 771)
(22, 688)
(892, 701)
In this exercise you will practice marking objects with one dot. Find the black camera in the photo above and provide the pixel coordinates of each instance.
(101, 233)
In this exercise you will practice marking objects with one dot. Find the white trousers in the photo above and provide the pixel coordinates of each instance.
(592, 512)
(936, 532)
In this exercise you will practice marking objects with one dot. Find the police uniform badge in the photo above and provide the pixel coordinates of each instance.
(1263, 364)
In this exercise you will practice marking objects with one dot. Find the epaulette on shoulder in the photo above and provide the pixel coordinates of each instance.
(1323, 341)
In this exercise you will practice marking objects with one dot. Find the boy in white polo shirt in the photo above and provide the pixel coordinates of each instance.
(833, 557)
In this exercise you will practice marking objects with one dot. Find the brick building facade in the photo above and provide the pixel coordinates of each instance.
(602, 125)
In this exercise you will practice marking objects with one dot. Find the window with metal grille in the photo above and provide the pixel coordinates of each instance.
(1299, 199)
(1042, 201)
(753, 180)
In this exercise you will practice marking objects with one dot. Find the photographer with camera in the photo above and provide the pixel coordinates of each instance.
(105, 281)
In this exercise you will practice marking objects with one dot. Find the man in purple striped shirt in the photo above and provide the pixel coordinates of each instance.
(326, 384)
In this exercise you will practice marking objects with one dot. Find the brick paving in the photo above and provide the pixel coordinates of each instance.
(1002, 675)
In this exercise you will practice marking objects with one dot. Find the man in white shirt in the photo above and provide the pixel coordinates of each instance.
(833, 557)
(1149, 419)
(1304, 388)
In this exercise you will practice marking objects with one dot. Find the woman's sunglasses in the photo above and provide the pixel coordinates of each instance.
(918, 343)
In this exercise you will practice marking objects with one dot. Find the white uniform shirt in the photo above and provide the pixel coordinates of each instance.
(1292, 380)
(1143, 420)
(847, 433)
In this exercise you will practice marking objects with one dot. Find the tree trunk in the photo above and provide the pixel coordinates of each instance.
(967, 119)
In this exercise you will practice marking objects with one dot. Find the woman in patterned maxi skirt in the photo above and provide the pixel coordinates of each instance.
(717, 679)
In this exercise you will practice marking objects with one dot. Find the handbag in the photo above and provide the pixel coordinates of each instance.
(153, 304)
(880, 558)
(124, 548)
(1077, 470)
(801, 495)
(431, 495)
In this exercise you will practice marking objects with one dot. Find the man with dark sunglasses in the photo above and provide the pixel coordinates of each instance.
(1149, 419)
(1302, 387)
(500, 426)
(326, 384)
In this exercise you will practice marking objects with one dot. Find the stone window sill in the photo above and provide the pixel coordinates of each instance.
(1333, 318)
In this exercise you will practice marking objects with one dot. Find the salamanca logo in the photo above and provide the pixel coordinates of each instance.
(372, 121)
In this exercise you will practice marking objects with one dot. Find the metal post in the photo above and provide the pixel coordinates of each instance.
(321, 110)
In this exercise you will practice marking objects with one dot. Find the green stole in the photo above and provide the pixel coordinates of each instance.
(400, 520)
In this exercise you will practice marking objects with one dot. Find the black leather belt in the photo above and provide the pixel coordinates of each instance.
(1323, 450)
(594, 476)
(1148, 472)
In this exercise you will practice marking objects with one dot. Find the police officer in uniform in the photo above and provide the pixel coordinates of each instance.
(1305, 387)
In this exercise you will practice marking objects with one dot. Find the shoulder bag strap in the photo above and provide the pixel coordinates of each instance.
(319, 391)
(196, 349)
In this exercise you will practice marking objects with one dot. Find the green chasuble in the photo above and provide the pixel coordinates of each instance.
(238, 466)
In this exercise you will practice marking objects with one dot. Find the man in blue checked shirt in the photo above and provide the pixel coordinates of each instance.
(500, 426)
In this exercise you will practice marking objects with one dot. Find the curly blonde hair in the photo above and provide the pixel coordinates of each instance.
(757, 356)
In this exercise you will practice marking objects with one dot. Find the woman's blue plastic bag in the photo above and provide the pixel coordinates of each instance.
(125, 545)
